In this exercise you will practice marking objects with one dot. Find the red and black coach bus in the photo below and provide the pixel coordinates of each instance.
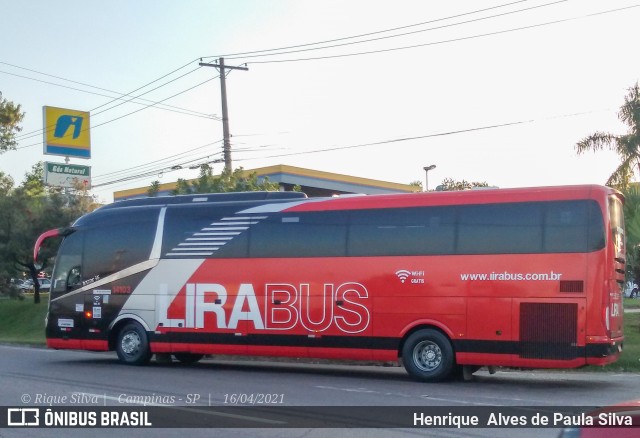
(527, 277)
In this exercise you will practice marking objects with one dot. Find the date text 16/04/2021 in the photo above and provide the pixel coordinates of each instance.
(81, 398)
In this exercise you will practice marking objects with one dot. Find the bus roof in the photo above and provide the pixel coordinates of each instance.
(208, 197)
(528, 194)
(265, 202)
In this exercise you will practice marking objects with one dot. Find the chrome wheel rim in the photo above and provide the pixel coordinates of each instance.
(130, 343)
(427, 356)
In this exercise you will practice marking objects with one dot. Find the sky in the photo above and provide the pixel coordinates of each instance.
(497, 91)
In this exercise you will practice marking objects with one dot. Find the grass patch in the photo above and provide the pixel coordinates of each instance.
(21, 321)
(630, 358)
(632, 303)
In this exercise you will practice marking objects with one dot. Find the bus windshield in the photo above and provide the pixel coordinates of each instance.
(66, 273)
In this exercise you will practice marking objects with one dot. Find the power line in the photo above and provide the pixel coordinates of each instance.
(165, 169)
(564, 20)
(397, 140)
(133, 112)
(163, 165)
(153, 81)
(379, 51)
(405, 33)
(169, 167)
(26, 135)
(121, 95)
(239, 54)
(175, 159)
(153, 104)
(142, 94)
(39, 132)
(421, 137)
(150, 163)
(150, 172)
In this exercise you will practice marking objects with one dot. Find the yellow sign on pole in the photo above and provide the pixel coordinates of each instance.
(66, 132)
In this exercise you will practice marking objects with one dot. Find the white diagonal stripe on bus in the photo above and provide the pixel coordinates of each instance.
(224, 228)
(226, 233)
(209, 238)
(243, 218)
(201, 243)
(217, 235)
(230, 224)
(190, 254)
(185, 250)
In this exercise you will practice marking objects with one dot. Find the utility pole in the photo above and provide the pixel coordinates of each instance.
(225, 115)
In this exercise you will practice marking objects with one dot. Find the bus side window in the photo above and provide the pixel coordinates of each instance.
(573, 226)
(114, 246)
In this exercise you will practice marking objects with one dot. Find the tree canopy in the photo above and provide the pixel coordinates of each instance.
(449, 184)
(237, 180)
(10, 119)
(632, 230)
(627, 146)
(27, 211)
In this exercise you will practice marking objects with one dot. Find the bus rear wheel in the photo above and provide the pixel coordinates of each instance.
(188, 357)
(133, 345)
(427, 355)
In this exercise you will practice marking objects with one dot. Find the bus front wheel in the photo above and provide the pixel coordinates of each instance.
(133, 345)
(427, 355)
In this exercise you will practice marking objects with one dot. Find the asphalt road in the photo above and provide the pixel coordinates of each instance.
(38, 377)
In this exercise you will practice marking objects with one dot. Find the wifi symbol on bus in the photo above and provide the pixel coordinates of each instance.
(403, 274)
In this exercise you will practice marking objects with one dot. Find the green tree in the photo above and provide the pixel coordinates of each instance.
(228, 181)
(10, 119)
(449, 184)
(417, 185)
(632, 229)
(6, 184)
(154, 189)
(25, 212)
(182, 188)
(7, 269)
(627, 146)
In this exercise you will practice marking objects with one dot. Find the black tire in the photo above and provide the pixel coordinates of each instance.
(133, 345)
(427, 355)
(188, 357)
